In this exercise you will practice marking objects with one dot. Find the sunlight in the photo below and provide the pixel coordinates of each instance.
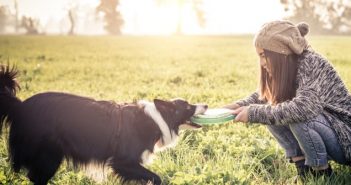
(147, 17)
(222, 17)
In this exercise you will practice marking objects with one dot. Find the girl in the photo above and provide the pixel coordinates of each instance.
(300, 98)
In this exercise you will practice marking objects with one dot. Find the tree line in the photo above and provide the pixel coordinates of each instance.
(112, 18)
(323, 16)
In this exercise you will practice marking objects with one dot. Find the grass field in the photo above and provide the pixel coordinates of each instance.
(213, 70)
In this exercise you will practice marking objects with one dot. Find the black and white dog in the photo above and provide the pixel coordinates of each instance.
(49, 127)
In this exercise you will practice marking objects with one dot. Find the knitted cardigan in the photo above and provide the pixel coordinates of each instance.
(320, 90)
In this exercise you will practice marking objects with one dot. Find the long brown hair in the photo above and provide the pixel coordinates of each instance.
(279, 83)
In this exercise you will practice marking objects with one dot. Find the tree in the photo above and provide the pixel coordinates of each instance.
(72, 20)
(197, 7)
(200, 13)
(16, 15)
(3, 18)
(323, 16)
(112, 16)
(31, 25)
(72, 8)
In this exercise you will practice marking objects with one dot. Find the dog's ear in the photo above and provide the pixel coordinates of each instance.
(162, 105)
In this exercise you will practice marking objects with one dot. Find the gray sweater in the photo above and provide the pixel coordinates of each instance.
(320, 91)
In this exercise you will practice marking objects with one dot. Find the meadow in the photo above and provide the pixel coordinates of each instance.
(215, 70)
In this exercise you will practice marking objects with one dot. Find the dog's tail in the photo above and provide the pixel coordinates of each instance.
(8, 89)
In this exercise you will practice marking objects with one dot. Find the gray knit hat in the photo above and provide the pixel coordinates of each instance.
(282, 37)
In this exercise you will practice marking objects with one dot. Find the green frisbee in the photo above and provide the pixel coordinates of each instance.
(213, 116)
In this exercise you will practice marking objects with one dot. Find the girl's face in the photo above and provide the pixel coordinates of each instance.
(262, 58)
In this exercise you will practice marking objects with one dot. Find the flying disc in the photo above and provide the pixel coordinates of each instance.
(213, 116)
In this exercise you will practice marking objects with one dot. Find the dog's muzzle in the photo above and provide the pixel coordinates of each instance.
(200, 109)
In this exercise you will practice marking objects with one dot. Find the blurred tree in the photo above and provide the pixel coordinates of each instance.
(197, 7)
(200, 13)
(324, 16)
(3, 18)
(16, 15)
(72, 20)
(72, 8)
(31, 25)
(112, 16)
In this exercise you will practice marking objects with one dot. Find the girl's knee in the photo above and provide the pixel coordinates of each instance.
(299, 127)
(304, 126)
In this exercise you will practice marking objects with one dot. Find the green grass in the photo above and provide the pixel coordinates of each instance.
(213, 70)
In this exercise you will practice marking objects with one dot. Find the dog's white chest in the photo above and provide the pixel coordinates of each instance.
(147, 157)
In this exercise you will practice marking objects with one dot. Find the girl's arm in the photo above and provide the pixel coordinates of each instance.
(304, 106)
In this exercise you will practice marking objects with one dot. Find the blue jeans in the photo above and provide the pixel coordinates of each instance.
(314, 139)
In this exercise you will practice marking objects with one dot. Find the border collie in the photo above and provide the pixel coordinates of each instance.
(49, 127)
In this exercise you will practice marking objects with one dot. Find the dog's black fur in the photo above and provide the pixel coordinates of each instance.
(49, 127)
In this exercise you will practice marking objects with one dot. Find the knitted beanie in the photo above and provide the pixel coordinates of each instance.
(282, 37)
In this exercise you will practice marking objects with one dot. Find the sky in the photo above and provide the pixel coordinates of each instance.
(146, 17)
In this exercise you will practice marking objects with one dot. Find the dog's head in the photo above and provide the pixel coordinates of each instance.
(177, 113)
(170, 116)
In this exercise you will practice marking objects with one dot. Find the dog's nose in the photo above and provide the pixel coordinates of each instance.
(206, 106)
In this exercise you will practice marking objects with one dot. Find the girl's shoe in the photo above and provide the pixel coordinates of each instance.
(326, 172)
(302, 169)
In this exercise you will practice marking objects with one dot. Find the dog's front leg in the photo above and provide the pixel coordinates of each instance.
(134, 171)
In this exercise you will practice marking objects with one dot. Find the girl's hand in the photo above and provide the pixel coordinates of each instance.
(242, 114)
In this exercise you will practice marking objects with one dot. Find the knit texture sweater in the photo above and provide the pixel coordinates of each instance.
(320, 91)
